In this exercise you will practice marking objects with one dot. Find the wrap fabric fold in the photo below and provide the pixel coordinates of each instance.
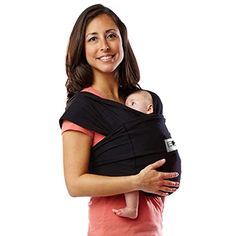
(133, 139)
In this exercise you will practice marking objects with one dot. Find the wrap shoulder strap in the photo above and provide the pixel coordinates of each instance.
(102, 115)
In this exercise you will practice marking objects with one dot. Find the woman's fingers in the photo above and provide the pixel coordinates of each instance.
(168, 189)
(157, 164)
(171, 184)
(169, 175)
(166, 175)
(161, 194)
(165, 191)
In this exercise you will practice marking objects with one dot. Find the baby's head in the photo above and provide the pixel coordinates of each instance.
(140, 100)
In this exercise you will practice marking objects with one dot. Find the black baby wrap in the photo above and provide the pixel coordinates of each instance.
(133, 139)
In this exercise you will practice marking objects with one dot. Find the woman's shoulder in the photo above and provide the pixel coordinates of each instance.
(81, 99)
(76, 107)
(84, 109)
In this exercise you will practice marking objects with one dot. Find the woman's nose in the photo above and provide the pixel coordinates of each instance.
(105, 46)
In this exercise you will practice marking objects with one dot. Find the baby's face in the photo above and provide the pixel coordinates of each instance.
(137, 102)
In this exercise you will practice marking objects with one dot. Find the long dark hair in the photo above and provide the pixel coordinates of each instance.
(79, 72)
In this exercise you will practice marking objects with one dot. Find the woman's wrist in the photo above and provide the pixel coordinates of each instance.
(135, 182)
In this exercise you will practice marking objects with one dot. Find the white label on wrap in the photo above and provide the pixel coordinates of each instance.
(170, 145)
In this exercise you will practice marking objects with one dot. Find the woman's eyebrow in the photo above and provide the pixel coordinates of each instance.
(107, 31)
(90, 34)
(95, 33)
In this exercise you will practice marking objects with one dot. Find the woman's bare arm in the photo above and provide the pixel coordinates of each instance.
(76, 154)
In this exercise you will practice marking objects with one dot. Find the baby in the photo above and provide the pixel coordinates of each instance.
(140, 100)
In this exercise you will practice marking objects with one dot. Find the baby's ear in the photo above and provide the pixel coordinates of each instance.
(150, 109)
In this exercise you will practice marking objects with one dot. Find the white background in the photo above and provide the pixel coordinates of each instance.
(186, 51)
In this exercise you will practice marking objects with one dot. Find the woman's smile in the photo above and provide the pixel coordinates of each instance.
(106, 58)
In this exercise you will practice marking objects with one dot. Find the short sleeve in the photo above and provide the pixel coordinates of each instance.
(68, 125)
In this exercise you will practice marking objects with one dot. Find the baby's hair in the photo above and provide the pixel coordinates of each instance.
(146, 95)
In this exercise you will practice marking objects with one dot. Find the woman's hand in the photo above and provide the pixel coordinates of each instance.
(152, 181)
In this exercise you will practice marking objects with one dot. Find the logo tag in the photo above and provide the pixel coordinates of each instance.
(170, 145)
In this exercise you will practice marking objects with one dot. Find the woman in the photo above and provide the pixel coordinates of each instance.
(100, 61)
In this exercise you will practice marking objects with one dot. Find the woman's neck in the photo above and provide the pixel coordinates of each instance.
(108, 86)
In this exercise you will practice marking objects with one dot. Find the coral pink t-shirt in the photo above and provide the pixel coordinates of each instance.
(102, 221)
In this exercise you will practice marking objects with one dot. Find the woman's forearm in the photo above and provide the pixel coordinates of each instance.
(148, 180)
(98, 186)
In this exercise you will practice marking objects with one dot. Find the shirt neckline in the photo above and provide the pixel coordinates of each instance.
(93, 91)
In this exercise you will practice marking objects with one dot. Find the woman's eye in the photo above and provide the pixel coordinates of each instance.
(111, 36)
(93, 39)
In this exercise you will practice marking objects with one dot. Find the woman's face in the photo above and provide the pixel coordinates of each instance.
(103, 45)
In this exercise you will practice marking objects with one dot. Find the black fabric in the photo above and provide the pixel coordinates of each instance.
(133, 139)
